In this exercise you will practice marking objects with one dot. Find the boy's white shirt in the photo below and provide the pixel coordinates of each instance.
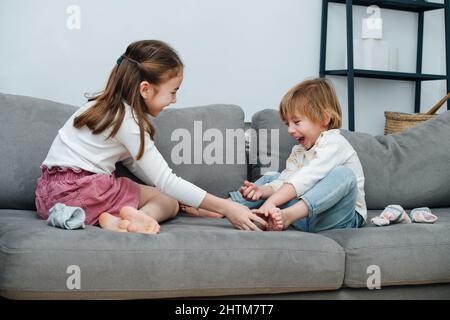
(81, 149)
(304, 168)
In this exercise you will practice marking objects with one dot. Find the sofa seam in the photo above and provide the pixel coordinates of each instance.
(12, 250)
(204, 288)
(396, 247)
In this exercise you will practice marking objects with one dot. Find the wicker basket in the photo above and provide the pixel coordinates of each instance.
(397, 122)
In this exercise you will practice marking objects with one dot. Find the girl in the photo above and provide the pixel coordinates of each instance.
(322, 186)
(114, 126)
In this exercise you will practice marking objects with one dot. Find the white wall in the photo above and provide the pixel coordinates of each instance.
(245, 52)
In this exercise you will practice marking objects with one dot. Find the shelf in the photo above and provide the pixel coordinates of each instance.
(404, 5)
(389, 75)
(416, 6)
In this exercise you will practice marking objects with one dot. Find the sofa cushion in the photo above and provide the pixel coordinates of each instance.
(280, 150)
(207, 132)
(414, 253)
(411, 169)
(29, 125)
(190, 257)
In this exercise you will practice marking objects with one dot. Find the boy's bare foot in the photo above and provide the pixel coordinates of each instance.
(199, 212)
(277, 221)
(139, 221)
(109, 222)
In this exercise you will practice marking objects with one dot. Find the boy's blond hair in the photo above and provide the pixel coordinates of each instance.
(316, 99)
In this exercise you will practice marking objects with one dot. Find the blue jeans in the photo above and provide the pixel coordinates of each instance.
(331, 201)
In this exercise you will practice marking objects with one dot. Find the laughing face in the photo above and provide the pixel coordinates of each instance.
(304, 130)
(157, 97)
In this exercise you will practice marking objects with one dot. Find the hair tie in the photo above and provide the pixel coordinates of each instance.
(119, 61)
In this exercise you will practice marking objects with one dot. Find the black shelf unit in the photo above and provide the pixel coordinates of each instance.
(418, 6)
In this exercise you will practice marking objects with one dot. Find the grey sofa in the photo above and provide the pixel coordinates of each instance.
(204, 257)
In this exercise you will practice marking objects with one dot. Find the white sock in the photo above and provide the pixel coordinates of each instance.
(393, 213)
(422, 215)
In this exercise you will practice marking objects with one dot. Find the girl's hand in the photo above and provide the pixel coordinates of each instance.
(199, 212)
(265, 209)
(242, 218)
(250, 191)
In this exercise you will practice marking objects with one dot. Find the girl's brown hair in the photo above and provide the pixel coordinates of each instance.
(148, 60)
(316, 99)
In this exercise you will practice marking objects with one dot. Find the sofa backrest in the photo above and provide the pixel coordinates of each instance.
(269, 120)
(411, 169)
(29, 125)
(217, 140)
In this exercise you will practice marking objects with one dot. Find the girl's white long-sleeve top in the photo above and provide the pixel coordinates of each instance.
(304, 168)
(81, 149)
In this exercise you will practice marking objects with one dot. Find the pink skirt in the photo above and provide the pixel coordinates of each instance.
(95, 193)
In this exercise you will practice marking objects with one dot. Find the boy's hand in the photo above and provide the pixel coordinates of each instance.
(250, 191)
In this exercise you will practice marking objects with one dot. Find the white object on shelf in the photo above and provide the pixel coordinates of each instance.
(372, 28)
(373, 54)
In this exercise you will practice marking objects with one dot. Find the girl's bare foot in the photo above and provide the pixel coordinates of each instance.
(139, 221)
(199, 212)
(109, 222)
